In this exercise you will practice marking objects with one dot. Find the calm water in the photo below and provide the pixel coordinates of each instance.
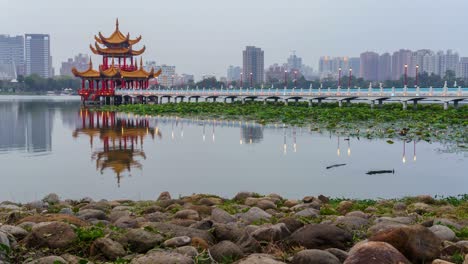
(47, 144)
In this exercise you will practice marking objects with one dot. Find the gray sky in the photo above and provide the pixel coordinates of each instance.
(205, 36)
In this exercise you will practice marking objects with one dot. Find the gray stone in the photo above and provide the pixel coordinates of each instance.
(400, 220)
(156, 217)
(260, 259)
(320, 236)
(115, 215)
(443, 232)
(447, 222)
(188, 251)
(4, 239)
(254, 214)
(54, 235)
(340, 254)
(51, 198)
(375, 253)
(164, 196)
(162, 257)
(126, 222)
(175, 230)
(88, 214)
(218, 215)
(48, 260)
(226, 250)
(399, 206)
(10, 207)
(270, 232)
(358, 214)
(177, 241)
(210, 201)
(351, 222)
(202, 225)
(107, 247)
(39, 206)
(141, 241)
(266, 204)
(230, 231)
(314, 256)
(248, 244)
(18, 232)
(308, 212)
(382, 226)
(291, 223)
(187, 214)
(66, 210)
(241, 196)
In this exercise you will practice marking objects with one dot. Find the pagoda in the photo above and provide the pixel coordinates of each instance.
(119, 68)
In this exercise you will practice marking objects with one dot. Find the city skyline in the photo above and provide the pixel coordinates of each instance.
(176, 35)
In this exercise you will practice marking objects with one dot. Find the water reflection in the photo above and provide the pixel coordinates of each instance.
(121, 138)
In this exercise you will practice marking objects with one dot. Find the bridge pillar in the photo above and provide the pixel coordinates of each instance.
(348, 102)
(182, 99)
(446, 105)
(340, 103)
(214, 99)
(310, 103)
(264, 101)
(405, 105)
(160, 100)
(319, 102)
(372, 104)
(196, 99)
(455, 104)
(380, 103)
(415, 105)
(285, 101)
(232, 100)
(243, 100)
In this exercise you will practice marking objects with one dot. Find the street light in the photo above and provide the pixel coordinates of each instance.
(251, 79)
(339, 77)
(417, 73)
(349, 79)
(241, 80)
(285, 79)
(295, 78)
(406, 74)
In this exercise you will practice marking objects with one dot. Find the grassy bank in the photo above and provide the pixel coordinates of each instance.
(429, 122)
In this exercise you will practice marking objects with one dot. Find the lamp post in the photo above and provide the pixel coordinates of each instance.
(241, 80)
(251, 79)
(295, 79)
(406, 75)
(339, 77)
(349, 79)
(285, 79)
(417, 73)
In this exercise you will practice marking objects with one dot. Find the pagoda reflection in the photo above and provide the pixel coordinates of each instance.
(120, 137)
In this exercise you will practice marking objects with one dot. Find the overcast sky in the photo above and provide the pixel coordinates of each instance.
(206, 36)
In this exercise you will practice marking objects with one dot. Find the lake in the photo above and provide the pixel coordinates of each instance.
(49, 144)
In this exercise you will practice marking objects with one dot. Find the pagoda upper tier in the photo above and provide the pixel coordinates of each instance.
(116, 45)
(114, 72)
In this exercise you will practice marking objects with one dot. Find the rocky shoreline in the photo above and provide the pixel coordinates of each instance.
(247, 229)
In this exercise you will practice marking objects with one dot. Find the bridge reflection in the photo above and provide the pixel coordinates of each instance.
(121, 140)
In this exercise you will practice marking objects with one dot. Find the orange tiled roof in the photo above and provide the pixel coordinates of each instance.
(117, 37)
(89, 73)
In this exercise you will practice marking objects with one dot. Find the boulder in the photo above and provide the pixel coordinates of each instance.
(375, 253)
(440, 261)
(226, 251)
(291, 203)
(340, 254)
(203, 225)
(443, 232)
(447, 222)
(210, 201)
(18, 232)
(291, 223)
(241, 196)
(308, 212)
(271, 232)
(320, 236)
(156, 217)
(116, 215)
(126, 222)
(187, 214)
(248, 244)
(419, 208)
(314, 256)
(383, 226)
(107, 248)
(177, 241)
(175, 230)
(230, 231)
(358, 214)
(399, 206)
(344, 207)
(89, 214)
(51, 198)
(164, 196)
(351, 222)
(260, 259)
(416, 242)
(141, 241)
(162, 257)
(266, 204)
(54, 235)
(254, 214)
(188, 251)
(4, 239)
(48, 260)
(218, 215)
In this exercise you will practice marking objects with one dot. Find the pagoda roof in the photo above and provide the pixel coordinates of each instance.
(89, 73)
(117, 37)
(140, 73)
(116, 51)
(112, 71)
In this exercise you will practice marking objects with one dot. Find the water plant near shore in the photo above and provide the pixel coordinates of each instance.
(429, 122)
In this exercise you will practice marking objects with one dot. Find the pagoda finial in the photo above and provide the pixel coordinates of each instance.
(90, 63)
(112, 62)
(117, 23)
(141, 62)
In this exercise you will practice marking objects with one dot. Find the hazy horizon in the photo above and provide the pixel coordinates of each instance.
(206, 36)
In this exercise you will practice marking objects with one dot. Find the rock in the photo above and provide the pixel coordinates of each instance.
(220, 216)
(54, 235)
(251, 201)
(202, 225)
(443, 232)
(156, 217)
(48, 260)
(200, 243)
(18, 232)
(202, 210)
(266, 204)
(254, 214)
(416, 242)
(271, 232)
(71, 259)
(358, 214)
(291, 203)
(440, 261)
(89, 214)
(400, 220)
(375, 253)
(115, 215)
(259, 259)
(241, 196)
(164, 196)
(51, 198)
(463, 244)
(344, 207)
(309, 212)
(248, 244)
(177, 241)
(141, 241)
(340, 254)
(420, 208)
(126, 222)
(323, 199)
(210, 201)
(425, 199)
(39, 206)
(162, 257)
(4, 239)
(399, 206)
(55, 218)
(10, 207)
(291, 223)
(66, 210)
(226, 250)
(188, 251)
(175, 230)
(101, 206)
(320, 236)
(230, 231)
(314, 256)
(447, 222)
(108, 248)
(351, 222)
(383, 226)
(152, 209)
(187, 214)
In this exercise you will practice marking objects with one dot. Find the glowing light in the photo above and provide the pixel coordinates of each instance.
(338, 152)
(172, 134)
(285, 147)
(404, 159)
(414, 158)
(295, 147)
(349, 151)
(240, 142)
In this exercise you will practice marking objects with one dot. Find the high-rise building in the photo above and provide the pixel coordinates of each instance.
(37, 55)
(385, 67)
(253, 65)
(167, 76)
(463, 68)
(12, 54)
(330, 66)
(275, 73)
(431, 63)
(399, 60)
(449, 62)
(80, 62)
(369, 66)
(355, 64)
(233, 73)
(417, 59)
(294, 62)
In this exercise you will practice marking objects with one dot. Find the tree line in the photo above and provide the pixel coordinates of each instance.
(36, 83)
